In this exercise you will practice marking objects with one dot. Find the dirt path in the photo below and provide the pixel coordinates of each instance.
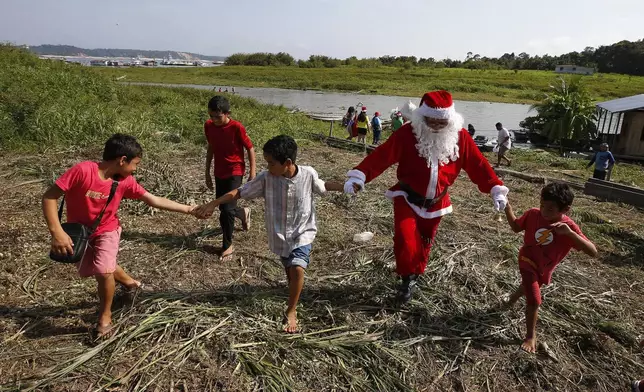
(214, 326)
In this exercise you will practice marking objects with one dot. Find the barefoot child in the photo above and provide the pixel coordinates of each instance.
(86, 187)
(290, 211)
(227, 141)
(549, 236)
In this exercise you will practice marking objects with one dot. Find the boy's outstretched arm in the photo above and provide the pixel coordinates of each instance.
(252, 163)
(165, 204)
(60, 242)
(334, 186)
(206, 210)
(512, 219)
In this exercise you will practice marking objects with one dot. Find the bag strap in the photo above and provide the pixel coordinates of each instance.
(115, 184)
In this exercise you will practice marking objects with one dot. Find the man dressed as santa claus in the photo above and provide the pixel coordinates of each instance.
(430, 152)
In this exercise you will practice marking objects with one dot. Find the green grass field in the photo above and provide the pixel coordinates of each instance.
(465, 84)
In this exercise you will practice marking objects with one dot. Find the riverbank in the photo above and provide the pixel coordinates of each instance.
(469, 85)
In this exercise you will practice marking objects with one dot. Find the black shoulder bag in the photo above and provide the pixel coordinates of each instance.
(80, 233)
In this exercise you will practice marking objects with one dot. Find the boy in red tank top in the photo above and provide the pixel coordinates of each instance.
(227, 141)
(549, 236)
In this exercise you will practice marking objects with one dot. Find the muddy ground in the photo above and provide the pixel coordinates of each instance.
(354, 337)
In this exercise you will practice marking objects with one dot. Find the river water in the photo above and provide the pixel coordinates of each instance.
(483, 115)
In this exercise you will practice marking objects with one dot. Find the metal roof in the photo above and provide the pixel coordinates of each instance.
(623, 104)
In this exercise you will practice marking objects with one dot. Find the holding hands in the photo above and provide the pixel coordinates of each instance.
(204, 211)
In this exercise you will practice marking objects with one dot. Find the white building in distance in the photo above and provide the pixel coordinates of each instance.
(573, 69)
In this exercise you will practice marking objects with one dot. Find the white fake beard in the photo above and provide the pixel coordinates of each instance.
(440, 144)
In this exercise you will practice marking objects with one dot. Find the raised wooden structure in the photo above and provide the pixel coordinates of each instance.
(615, 192)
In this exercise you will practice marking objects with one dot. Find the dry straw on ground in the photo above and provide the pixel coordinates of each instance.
(210, 326)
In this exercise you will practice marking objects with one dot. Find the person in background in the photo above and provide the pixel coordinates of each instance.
(347, 121)
(503, 140)
(471, 130)
(397, 121)
(227, 141)
(233, 89)
(603, 160)
(226, 90)
(362, 125)
(376, 126)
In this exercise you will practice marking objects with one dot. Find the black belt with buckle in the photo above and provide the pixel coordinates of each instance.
(418, 200)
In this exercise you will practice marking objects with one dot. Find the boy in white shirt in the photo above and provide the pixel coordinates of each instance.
(289, 212)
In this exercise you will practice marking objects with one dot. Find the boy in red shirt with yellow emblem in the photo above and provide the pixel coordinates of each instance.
(549, 236)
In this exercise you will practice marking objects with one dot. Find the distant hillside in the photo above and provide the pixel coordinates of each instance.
(66, 50)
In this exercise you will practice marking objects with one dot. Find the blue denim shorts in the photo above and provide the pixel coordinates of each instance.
(299, 257)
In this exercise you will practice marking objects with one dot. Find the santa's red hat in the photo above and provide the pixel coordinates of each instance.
(437, 104)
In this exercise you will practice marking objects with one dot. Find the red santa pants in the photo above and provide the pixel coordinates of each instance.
(413, 238)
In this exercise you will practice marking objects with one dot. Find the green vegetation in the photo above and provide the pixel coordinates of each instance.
(465, 84)
(566, 113)
(624, 57)
(46, 104)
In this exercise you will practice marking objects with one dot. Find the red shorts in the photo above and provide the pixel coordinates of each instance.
(100, 256)
(533, 276)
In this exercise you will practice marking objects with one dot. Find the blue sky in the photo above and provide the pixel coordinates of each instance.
(338, 28)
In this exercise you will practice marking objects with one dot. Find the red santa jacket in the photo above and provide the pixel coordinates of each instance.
(428, 180)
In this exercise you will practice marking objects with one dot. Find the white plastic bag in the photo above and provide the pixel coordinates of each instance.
(363, 237)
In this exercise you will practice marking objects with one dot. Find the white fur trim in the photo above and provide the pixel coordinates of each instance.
(443, 114)
(422, 212)
(357, 174)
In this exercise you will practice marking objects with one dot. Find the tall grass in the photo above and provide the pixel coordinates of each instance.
(45, 104)
(465, 84)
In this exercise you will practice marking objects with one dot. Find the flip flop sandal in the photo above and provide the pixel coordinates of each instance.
(99, 333)
(132, 293)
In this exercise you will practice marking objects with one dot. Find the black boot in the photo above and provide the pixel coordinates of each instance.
(406, 287)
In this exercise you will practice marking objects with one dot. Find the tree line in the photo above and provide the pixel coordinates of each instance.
(623, 57)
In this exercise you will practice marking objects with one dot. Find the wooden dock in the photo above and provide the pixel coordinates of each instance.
(615, 192)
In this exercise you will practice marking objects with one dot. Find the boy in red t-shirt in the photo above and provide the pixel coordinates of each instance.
(227, 141)
(549, 236)
(86, 187)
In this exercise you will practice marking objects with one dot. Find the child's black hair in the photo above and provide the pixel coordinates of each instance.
(362, 116)
(219, 104)
(120, 145)
(281, 148)
(499, 125)
(559, 193)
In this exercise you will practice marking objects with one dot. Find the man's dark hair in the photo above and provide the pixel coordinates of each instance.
(559, 193)
(120, 145)
(499, 125)
(281, 148)
(219, 104)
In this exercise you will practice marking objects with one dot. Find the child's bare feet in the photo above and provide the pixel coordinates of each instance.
(290, 323)
(227, 255)
(529, 345)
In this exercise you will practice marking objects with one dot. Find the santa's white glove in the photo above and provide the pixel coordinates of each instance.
(500, 197)
(356, 177)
